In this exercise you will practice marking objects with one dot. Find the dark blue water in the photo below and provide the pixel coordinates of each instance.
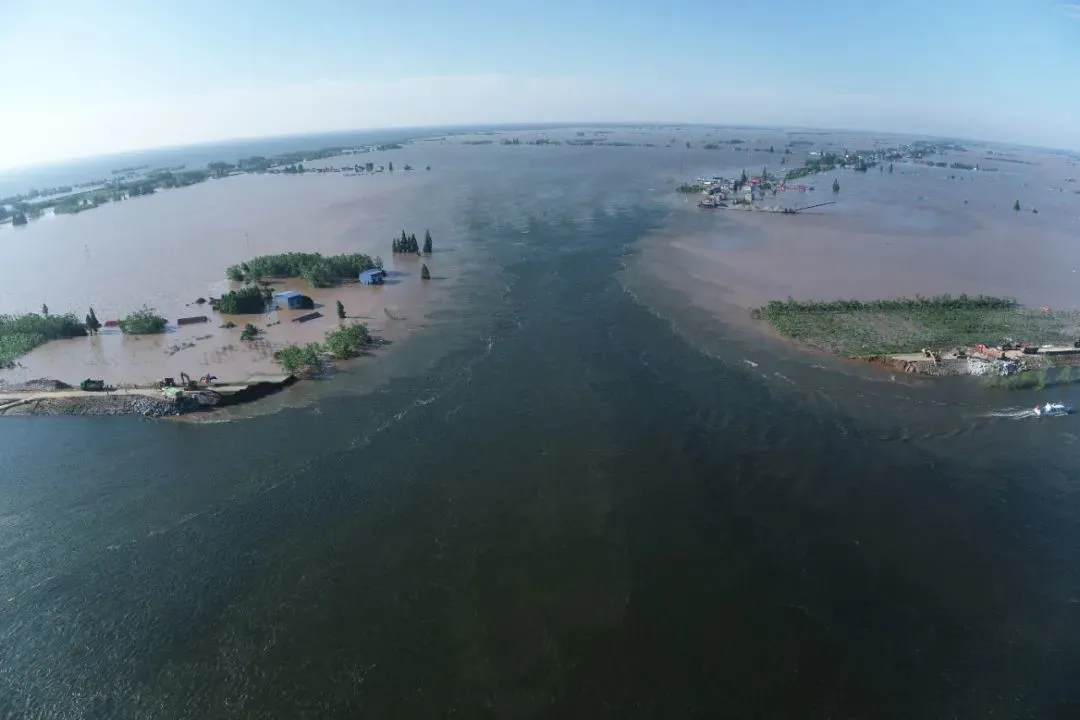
(572, 511)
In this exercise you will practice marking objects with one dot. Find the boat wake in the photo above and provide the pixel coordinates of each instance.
(1044, 410)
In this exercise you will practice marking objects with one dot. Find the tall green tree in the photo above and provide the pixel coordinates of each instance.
(92, 323)
(743, 178)
(44, 309)
(427, 242)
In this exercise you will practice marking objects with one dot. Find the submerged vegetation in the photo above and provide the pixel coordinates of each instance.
(137, 181)
(1037, 379)
(248, 300)
(406, 244)
(691, 189)
(300, 358)
(144, 321)
(345, 342)
(19, 334)
(851, 327)
(318, 270)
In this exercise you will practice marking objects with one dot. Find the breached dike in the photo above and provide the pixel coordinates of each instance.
(48, 397)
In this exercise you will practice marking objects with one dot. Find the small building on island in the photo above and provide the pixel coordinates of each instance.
(375, 276)
(294, 300)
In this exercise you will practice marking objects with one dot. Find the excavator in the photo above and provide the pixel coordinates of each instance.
(186, 382)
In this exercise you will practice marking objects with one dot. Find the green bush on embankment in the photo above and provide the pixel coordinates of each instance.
(318, 270)
(342, 343)
(19, 334)
(851, 327)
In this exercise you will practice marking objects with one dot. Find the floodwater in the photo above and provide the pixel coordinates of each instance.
(169, 249)
(585, 489)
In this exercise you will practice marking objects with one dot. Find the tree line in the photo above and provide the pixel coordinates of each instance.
(408, 245)
(318, 270)
(942, 302)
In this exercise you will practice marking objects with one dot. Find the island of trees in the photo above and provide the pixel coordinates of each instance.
(408, 245)
(319, 271)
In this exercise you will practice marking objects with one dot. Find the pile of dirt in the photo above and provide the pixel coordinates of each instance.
(887, 361)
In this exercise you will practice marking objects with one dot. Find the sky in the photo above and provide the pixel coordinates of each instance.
(89, 77)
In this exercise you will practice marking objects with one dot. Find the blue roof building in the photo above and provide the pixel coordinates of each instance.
(375, 276)
(294, 299)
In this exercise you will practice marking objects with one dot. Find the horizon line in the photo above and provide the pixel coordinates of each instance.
(416, 132)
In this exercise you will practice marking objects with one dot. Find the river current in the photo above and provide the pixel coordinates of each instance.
(573, 494)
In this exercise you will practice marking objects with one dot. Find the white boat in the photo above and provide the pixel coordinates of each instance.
(1052, 409)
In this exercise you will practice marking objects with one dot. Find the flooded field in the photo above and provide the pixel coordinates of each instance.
(918, 230)
(170, 249)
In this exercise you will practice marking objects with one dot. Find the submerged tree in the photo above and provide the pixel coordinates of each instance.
(1016, 206)
(427, 242)
(340, 310)
(249, 333)
(425, 274)
(92, 323)
(890, 167)
(836, 186)
(391, 167)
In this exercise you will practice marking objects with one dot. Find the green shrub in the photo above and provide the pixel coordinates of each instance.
(348, 341)
(250, 332)
(144, 321)
(297, 358)
(248, 300)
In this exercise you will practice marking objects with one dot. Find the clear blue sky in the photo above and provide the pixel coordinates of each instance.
(83, 77)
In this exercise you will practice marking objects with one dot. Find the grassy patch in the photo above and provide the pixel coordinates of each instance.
(850, 327)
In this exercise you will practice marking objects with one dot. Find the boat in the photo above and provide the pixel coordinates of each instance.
(1052, 410)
